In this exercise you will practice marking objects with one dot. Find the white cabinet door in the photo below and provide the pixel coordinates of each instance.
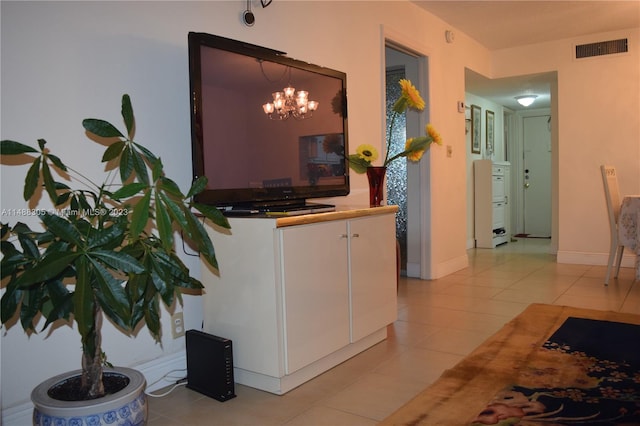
(373, 274)
(315, 292)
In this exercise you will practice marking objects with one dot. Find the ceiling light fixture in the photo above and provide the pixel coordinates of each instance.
(290, 103)
(526, 100)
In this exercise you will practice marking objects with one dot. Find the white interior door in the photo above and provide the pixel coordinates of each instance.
(537, 175)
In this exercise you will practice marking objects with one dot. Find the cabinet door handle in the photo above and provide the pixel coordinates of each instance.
(344, 236)
(355, 235)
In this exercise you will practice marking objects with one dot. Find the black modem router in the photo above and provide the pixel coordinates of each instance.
(210, 365)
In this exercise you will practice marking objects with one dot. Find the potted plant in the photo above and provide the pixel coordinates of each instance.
(106, 250)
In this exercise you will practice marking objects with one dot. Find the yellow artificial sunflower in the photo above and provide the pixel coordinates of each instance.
(431, 131)
(411, 95)
(412, 153)
(367, 152)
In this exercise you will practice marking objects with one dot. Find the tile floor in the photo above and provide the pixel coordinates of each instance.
(439, 322)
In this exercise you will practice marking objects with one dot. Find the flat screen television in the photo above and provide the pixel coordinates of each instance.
(259, 161)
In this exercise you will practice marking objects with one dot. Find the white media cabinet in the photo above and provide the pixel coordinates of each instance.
(298, 295)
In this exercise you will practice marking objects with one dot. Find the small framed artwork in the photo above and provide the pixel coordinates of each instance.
(476, 128)
(490, 132)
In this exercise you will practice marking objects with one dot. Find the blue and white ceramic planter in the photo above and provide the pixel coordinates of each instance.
(126, 407)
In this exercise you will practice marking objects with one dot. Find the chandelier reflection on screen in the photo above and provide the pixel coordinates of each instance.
(290, 103)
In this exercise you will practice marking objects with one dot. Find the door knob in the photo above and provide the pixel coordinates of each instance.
(526, 185)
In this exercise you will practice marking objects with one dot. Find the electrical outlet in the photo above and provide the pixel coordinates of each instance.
(177, 325)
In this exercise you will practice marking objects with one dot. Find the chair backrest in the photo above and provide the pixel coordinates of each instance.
(612, 194)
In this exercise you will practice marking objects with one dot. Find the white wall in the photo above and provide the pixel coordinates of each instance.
(66, 61)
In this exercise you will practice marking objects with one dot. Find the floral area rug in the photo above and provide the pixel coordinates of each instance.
(551, 365)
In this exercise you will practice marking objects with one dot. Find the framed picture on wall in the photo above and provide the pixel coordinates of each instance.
(490, 132)
(476, 129)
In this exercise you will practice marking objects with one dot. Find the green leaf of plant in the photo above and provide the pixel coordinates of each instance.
(10, 301)
(31, 180)
(9, 147)
(107, 238)
(175, 212)
(59, 304)
(137, 312)
(169, 186)
(113, 151)
(62, 228)
(126, 165)
(127, 115)
(140, 167)
(64, 197)
(358, 164)
(41, 144)
(29, 245)
(200, 236)
(49, 183)
(52, 265)
(12, 259)
(135, 286)
(168, 266)
(140, 215)
(118, 261)
(198, 186)
(111, 296)
(213, 214)
(151, 158)
(31, 303)
(163, 222)
(156, 171)
(101, 128)
(152, 317)
(83, 302)
(159, 281)
(57, 162)
(129, 190)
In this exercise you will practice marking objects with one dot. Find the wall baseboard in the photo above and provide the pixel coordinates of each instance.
(449, 267)
(583, 258)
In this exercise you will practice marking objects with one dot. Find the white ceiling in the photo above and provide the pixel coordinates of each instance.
(508, 24)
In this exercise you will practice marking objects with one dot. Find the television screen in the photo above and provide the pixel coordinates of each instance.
(257, 146)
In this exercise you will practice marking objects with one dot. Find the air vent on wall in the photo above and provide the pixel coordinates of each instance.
(601, 48)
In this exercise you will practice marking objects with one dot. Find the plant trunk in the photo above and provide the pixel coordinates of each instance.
(92, 361)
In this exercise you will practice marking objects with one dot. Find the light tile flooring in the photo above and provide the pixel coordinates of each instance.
(439, 322)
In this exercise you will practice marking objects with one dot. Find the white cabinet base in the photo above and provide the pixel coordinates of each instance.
(282, 385)
(300, 295)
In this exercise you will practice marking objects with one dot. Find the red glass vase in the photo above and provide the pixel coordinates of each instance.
(376, 175)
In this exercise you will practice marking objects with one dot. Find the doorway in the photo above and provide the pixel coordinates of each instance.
(500, 93)
(537, 175)
(403, 178)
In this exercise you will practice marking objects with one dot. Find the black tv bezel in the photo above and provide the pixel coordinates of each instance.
(257, 198)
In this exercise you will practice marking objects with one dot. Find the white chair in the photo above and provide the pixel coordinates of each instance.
(612, 195)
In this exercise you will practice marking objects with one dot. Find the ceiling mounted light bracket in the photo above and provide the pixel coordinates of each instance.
(247, 16)
(526, 100)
